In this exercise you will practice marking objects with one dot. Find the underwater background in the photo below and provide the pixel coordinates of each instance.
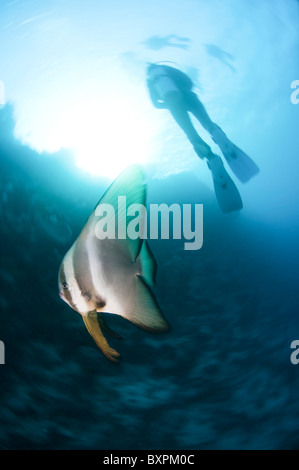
(74, 112)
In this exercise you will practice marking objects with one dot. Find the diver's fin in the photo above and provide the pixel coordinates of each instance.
(226, 192)
(146, 312)
(240, 163)
(93, 327)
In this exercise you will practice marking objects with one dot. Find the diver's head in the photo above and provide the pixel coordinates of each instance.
(151, 66)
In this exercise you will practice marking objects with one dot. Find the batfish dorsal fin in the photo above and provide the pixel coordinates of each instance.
(130, 183)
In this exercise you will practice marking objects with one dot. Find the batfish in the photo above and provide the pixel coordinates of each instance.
(110, 272)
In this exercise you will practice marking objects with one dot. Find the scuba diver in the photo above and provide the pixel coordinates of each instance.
(171, 89)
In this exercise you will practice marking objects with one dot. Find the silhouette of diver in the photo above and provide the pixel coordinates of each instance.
(159, 42)
(171, 89)
(220, 54)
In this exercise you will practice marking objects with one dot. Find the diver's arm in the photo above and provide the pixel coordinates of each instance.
(154, 97)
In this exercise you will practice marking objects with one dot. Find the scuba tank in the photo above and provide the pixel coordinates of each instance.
(164, 86)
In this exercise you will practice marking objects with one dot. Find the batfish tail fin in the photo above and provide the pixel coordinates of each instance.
(146, 312)
(93, 328)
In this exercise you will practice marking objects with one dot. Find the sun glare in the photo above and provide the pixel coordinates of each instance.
(106, 137)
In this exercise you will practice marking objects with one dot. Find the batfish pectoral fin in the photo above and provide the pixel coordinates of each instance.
(93, 327)
(149, 264)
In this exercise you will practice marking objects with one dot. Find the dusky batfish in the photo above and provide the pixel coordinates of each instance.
(105, 270)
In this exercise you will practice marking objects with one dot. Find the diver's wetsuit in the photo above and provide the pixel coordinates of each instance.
(179, 110)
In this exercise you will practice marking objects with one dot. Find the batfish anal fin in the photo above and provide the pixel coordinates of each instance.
(146, 312)
(93, 328)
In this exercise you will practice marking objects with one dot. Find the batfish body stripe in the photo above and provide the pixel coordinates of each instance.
(77, 299)
(66, 293)
(98, 280)
(81, 264)
(81, 267)
(112, 273)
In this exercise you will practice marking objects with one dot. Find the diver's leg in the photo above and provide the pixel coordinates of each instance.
(196, 107)
(239, 162)
(182, 118)
(226, 192)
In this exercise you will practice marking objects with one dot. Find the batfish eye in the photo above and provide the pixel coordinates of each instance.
(64, 285)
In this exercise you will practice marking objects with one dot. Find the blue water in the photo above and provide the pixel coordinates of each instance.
(222, 377)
